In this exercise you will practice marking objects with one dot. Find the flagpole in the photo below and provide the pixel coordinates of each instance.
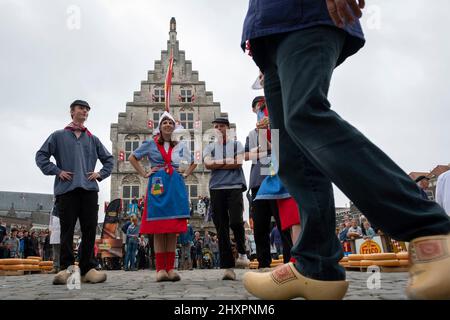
(168, 82)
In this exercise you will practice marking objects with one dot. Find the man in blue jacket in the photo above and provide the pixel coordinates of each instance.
(297, 44)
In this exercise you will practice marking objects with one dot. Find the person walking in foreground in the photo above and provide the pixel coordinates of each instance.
(166, 208)
(76, 151)
(297, 47)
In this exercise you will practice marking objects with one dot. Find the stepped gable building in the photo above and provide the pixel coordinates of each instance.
(191, 105)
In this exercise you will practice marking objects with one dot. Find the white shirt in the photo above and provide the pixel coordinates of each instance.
(443, 191)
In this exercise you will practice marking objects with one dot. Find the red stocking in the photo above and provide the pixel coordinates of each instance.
(160, 261)
(170, 260)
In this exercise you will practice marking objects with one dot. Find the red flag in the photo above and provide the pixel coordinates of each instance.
(168, 83)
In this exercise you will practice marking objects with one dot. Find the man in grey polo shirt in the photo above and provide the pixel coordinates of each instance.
(224, 159)
(76, 152)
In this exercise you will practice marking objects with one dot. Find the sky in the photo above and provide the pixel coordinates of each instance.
(395, 90)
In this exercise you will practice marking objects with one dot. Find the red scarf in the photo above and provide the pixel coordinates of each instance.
(167, 156)
(77, 127)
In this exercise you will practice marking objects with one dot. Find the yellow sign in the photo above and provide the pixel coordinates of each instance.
(369, 246)
(104, 246)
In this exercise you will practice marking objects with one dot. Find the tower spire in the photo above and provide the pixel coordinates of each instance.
(173, 31)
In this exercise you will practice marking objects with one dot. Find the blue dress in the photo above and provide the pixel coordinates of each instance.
(166, 207)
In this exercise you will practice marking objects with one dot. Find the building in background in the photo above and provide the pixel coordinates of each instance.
(190, 103)
(25, 210)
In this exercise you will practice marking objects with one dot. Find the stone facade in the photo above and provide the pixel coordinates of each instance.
(191, 105)
(25, 210)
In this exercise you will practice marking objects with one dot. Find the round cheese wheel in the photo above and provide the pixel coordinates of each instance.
(280, 257)
(30, 267)
(35, 257)
(404, 263)
(355, 257)
(274, 265)
(30, 261)
(402, 255)
(380, 256)
(10, 261)
(12, 267)
(354, 263)
(46, 263)
(344, 259)
(45, 268)
(380, 263)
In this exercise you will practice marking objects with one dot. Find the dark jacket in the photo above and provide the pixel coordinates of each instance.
(269, 17)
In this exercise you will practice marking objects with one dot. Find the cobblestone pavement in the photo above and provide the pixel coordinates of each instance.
(195, 285)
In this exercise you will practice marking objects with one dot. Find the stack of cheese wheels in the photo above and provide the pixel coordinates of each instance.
(254, 264)
(11, 265)
(32, 263)
(46, 265)
(19, 265)
(276, 263)
(344, 261)
(403, 258)
(354, 260)
(35, 258)
(380, 259)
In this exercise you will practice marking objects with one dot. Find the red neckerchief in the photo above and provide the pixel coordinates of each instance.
(248, 48)
(76, 127)
(167, 156)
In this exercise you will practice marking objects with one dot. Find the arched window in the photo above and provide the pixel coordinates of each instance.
(130, 189)
(158, 95)
(186, 95)
(131, 144)
(156, 116)
(187, 120)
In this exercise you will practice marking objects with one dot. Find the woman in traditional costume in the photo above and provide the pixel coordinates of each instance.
(166, 206)
(271, 188)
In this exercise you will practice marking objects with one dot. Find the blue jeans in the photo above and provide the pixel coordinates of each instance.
(317, 147)
(216, 259)
(130, 256)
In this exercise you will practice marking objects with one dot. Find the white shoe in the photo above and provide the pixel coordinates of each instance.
(229, 275)
(242, 262)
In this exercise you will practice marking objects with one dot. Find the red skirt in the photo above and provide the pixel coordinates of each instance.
(161, 226)
(289, 213)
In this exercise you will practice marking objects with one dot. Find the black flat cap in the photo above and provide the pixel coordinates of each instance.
(222, 120)
(258, 100)
(420, 178)
(80, 103)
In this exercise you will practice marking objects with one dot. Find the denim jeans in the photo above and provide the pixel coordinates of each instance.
(317, 147)
(130, 257)
(186, 254)
(216, 259)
